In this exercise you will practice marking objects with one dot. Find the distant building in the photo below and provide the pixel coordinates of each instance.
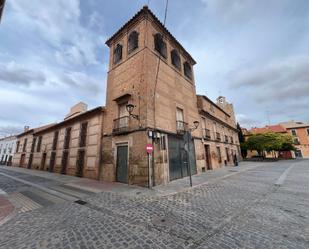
(266, 129)
(2, 3)
(7, 150)
(300, 133)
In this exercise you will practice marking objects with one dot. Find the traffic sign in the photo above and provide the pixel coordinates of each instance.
(149, 148)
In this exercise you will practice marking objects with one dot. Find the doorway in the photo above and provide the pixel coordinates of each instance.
(43, 161)
(207, 157)
(122, 164)
(22, 160)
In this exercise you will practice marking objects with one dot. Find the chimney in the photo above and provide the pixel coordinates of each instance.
(26, 128)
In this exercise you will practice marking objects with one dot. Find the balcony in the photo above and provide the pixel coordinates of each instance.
(206, 134)
(218, 136)
(181, 127)
(121, 124)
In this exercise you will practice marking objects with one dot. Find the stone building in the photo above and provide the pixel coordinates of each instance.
(69, 147)
(7, 149)
(2, 3)
(150, 71)
(300, 133)
(150, 99)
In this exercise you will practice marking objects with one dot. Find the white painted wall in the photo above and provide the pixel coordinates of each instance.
(7, 148)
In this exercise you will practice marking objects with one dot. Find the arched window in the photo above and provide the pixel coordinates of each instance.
(175, 58)
(133, 41)
(160, 45)
(187, 70)
(117, 53)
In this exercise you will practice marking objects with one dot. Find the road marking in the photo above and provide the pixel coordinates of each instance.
(283, 176)
(47, 190)
(23, 203)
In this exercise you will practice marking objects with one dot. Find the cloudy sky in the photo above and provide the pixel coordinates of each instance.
(53, 55)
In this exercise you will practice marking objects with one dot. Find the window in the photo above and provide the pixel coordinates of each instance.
(179, 114)
(33, 144)
(187, 70)
(17, 146)
(55, 141)
(133, 41)
(80, 163)
(227, 154)
(175, 59)
(163, 142)
(308, 131)
(67, 137)
(83, 134)
(294, 132)
(52, 161)
(180, 120)
(160, 45)
(38, 147)
(117, 53)
(25, 145)
(296, 141)
(64, 161)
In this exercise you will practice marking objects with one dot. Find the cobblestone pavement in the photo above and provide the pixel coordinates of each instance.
(245, 210)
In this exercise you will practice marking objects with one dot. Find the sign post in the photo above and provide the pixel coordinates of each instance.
(187, 139)
(149, 150)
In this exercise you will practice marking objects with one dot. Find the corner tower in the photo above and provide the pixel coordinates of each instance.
(150, 70)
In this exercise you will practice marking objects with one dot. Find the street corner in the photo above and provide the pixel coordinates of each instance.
(6, 207)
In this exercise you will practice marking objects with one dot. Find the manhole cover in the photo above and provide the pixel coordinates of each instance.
(165, 221)
(232, 170)
(80, 202)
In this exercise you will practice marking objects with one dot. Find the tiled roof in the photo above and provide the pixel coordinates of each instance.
(56, 125)
(144, 11)
(268, 128)
(293, 124)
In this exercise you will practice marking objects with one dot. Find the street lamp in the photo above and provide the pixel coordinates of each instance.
(188, 138)
(196, 124)
(130, 108)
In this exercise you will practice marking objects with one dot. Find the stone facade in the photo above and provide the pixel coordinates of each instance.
(58, 147)
(300, 133)
(150, 99)
(158, 88)
(7, 149)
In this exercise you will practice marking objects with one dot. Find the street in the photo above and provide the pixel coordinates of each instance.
(255, 205)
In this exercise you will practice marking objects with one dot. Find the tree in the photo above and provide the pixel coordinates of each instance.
(270, 142)
(242, 141)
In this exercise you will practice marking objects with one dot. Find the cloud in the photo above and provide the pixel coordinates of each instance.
(16, 74)
(9, 130)
(246, 121)
(287, 79)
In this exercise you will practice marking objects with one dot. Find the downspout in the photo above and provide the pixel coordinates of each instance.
(101, 146)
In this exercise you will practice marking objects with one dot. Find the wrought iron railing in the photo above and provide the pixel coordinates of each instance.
(206, 133)
(121, 124)
(181, 126)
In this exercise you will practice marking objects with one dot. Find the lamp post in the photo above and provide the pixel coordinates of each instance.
(130, 108)
(187, 138)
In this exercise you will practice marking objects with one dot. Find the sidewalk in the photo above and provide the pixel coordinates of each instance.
(6, 208)
(173, 187)
(204, 178)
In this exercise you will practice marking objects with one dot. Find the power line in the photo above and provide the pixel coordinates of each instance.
(157, 71)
